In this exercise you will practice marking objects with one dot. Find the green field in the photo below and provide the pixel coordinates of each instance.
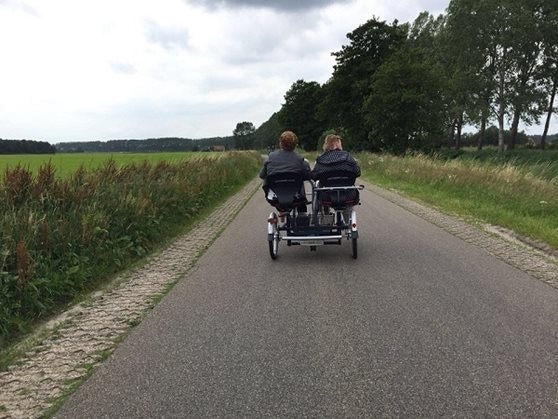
(66, 164)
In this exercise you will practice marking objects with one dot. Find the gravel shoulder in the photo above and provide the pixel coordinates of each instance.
(83, 337)
(533, 258)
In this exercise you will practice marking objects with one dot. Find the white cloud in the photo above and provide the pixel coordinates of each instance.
(283, 5)
(18, 5)
(168, 37)
(136, 69)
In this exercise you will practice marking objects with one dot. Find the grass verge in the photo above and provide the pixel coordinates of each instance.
(507, 193)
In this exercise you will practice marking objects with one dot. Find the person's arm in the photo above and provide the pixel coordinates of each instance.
(357, 170)
(355, 165)
(316, 171)
(307, 173)
(263, 172)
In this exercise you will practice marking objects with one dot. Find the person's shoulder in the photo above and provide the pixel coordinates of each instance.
(274, 154)
(323, 156)
(294, 155)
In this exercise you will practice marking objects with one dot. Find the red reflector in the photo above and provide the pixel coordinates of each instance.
(354, 225)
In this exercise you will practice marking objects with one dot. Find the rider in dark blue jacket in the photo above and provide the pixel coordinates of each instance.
(334, 158)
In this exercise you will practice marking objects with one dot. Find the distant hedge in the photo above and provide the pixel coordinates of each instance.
(25, 147)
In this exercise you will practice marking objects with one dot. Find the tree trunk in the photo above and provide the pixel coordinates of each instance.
(482, 134)
(459, 127)
(452, 135)
(513, 133)
(501, 107)
(549, 114)
(501, 113)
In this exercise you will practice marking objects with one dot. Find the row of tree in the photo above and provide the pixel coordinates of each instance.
(415, 86)
(25, 147)
(147, 145)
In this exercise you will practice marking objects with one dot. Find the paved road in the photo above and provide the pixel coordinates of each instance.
(422, 324)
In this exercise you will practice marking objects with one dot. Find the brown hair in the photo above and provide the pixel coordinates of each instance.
(288, 140)
(332, 142)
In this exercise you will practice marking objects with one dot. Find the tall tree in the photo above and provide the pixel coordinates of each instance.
(299, 112)
(461, 59)
(527, 57)
(267, 134)
(427, 38)
(404, 111)
(500, 39)
(547, 11)
(244, 135)
(485, 30)
(370, 45)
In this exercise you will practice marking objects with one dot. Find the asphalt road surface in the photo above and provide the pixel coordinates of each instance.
(422, 324)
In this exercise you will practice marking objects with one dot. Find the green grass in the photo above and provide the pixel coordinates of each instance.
(510, 193)
(67, 163)
(539, 163)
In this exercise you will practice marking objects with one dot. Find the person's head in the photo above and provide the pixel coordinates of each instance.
(332, 142)
(288, 141)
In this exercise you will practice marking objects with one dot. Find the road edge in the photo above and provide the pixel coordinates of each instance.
(497, 242)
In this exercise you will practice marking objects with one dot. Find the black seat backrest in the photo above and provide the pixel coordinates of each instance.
(338, 199)
(287, 187)
(337, 178)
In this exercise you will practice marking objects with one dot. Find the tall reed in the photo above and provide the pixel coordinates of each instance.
(61, 236)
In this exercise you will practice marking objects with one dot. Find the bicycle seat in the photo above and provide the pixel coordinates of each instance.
(287, 189)
(338, 199)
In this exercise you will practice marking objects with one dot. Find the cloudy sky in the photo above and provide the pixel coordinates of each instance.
(106, 69)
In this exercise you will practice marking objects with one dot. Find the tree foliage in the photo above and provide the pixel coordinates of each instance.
(371, 44)
(404, 111)
(25, 147)
(502, 45)
(299, 112)
(267, 134)
(244, 135)
(547, 12)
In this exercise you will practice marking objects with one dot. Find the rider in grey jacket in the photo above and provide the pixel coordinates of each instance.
(286, 160)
